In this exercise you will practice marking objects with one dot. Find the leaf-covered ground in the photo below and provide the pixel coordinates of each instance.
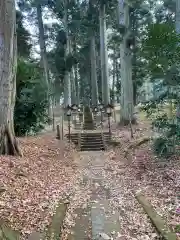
(33, 184)
(139, 171)
(158, 179)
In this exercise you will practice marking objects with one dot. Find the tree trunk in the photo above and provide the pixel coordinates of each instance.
(134, 93)
(67, 80)
(76, 73)
(76, 83)
(177, 26)
(114, 76)
(72, 77)
(134, 71)
(94, 87)
(44, 56)
(81, 87)
(8, 58)
(177, 23)
(104, 56)
(127, 106)
(73, 87)
(118, 82)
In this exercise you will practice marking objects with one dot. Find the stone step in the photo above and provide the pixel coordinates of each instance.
(86, 143)
(105, 220)
(87, 120)
(89, 128)
(91, 141)
(93, 133)
(95, 148)
(89, 149)
(97, 218)
(87, 135)
(89, 125)
(77, 125)
(82, 228)
(74, 137)
(77, 128)
(95, 140)
(91, 138)
(91, 144)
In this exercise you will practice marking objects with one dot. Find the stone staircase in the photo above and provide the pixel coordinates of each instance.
(74, 138)
(89, 126)
(78, 125)
(90, 141)
(95, 118)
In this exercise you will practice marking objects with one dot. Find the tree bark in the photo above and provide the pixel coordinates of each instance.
(134, 72)
(76, 73)
(127, 106)
(114, 76)
(73, 88)
(76, 83)
(177, 26)
(104, 56)
(8, 58)
(94, 87)
(42, 44)
(118, 82)
(67, 80)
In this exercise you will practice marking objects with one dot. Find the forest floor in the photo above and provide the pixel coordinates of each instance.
(49, 171)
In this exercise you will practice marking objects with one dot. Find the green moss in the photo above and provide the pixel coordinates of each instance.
(156, 220)
(6, 233)
(177, 228)
(54, 230)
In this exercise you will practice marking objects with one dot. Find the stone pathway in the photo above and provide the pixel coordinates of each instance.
(103, 221)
